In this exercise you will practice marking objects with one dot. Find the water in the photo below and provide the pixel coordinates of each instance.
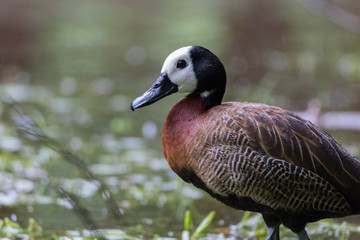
(75, 67)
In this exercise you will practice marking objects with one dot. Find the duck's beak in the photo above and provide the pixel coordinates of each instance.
(162, 87)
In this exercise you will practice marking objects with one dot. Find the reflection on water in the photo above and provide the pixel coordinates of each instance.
(75, 67)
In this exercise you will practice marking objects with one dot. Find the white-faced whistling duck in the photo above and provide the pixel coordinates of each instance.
(251, 156)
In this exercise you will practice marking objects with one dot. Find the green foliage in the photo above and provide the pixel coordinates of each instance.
(252, 225)
(188, 221)
(13, 230)
(329, 229)
(199, 231)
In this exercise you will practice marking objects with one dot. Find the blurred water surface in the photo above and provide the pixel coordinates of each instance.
(75, 66)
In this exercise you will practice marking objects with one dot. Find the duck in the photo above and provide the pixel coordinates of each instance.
(250, 156)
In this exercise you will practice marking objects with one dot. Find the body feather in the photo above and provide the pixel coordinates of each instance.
(262, 158)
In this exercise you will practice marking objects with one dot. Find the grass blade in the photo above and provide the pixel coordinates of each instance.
(203, 225)
(187, 220)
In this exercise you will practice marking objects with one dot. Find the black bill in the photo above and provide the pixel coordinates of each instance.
(162, 87)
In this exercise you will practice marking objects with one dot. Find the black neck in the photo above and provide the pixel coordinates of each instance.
(210, 74)
(213, 98)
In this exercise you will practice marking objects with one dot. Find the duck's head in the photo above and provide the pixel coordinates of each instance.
(191, 69)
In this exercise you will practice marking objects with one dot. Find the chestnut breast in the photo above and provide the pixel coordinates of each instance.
(181, 127)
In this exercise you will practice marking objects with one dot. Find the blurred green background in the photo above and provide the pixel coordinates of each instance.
(75, 67)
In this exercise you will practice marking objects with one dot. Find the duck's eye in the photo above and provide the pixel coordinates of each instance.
(181, 64)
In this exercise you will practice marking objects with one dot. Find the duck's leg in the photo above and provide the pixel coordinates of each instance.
(273, 233)
(302, 235)
(273, 224)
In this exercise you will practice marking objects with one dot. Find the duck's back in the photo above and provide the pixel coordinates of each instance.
(264, 156)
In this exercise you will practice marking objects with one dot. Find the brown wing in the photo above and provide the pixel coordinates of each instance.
(282, 134)
(280, 185)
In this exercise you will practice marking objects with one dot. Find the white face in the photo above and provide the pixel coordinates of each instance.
(184, 78)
